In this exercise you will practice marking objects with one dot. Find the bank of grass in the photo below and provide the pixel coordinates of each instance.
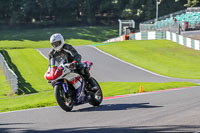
(30, 67)
(46, 98)
(39, 38)
(160, 56)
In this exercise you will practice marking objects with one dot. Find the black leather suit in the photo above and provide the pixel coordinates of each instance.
(68, 54)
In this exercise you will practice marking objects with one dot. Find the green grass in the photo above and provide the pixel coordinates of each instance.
(121, 88)
(35, 100)
(160, 56)
(39, 38)
(30, 66)
(46, 98)
(7, 44)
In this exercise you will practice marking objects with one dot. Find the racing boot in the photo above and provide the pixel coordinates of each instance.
(94, 89)
(92, 84)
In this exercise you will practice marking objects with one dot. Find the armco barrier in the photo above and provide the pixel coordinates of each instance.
(11, 77)
(116, 39)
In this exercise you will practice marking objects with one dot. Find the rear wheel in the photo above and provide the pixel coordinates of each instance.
(64, 101)
(97, 97)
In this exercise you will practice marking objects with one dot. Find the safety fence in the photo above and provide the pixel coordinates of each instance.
(174, 27)
(185, 41)
(188, 19)
(11, 77)
(154, 35)
(115, 39)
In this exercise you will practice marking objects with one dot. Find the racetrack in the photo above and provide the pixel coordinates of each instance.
(192, 34)
(176, 111)
(107, 68)
(172, 110)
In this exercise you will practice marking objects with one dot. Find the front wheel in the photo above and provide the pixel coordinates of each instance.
(97, 97)
(64, 101)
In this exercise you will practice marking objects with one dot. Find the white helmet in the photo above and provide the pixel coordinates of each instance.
(57, 41)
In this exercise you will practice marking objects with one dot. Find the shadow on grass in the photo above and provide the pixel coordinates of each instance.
(96, 34)
(23, 86)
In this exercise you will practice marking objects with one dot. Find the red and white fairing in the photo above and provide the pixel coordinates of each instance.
(75, 79)
(57, 73)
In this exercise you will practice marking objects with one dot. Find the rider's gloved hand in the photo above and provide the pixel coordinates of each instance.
(73, 65)
(62, 66)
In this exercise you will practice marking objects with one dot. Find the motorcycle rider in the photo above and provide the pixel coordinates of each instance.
(68, 53)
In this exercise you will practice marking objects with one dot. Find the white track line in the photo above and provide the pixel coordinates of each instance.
(125, 63)
(42, 54)
(27, 110)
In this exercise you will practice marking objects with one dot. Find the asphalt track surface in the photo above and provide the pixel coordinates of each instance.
(107, 68)
(176, 110)
(191, 33)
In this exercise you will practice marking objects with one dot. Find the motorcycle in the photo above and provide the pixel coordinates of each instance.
(71, 88)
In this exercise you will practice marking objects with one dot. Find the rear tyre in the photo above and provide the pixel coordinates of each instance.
(97, 97)
(64, 101)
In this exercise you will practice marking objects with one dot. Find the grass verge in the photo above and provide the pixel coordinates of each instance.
(121, 88)
(39, 38)
(160, 56)
(46, 98)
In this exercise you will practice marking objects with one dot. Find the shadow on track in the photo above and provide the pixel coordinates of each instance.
(109, 129)
(115, 107)
(7, 124)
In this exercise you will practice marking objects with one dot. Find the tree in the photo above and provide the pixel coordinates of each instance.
(92, 12)
(192, 3)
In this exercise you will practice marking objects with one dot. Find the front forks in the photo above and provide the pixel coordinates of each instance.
(65, 87)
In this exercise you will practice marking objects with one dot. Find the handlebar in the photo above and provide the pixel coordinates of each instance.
(71, 66)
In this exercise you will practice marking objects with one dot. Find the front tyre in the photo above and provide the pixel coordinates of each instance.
(97, 97)
(64, 101)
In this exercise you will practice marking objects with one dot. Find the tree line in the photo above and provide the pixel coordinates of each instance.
(85, 12)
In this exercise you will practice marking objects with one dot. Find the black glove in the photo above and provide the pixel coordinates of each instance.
(72, 66)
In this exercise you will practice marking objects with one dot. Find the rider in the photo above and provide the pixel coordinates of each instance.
(68, 53)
